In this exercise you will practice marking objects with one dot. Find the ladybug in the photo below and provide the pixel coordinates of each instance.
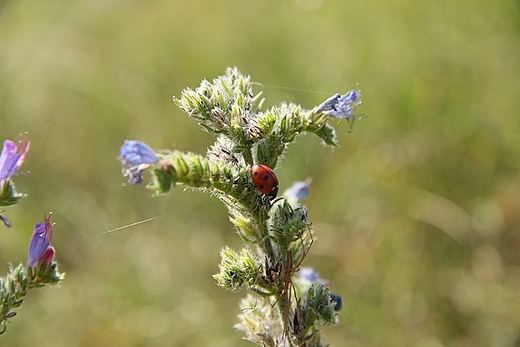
(265, 180)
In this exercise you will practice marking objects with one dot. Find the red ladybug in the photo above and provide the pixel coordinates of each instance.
(265, 180)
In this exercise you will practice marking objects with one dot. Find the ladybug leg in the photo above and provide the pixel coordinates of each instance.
(273, 193)
(266, 200)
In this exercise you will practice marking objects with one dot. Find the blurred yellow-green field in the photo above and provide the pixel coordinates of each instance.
(417, 215)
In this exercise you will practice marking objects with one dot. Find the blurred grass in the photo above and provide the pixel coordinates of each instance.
(417, 214)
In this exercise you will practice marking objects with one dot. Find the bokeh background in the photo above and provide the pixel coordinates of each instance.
(417, 215)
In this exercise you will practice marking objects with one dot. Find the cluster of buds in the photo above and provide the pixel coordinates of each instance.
(282, 309)
(40, 269)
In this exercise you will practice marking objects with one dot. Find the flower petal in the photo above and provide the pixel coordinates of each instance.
(40, 243)
(340, 106)
(134, 153)
(135, 158)
(47, 256)
(298, 190)
(10, 160)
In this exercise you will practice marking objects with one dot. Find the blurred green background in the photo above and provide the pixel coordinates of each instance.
(417, 215)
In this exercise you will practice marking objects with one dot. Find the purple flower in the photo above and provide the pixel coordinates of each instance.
(328, 104)
(40, 249)
(135, 157)
(340, 106)
(10, 160)
(298, 190)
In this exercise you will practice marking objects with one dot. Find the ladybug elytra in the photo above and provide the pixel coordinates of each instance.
(264, 180)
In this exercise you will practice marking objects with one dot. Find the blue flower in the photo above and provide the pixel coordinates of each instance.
(135, 157)
(12, 157)
(337, 299)
(40, 249)
(308, 274)
(136, 153)
(340, 106)
(298, 190)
